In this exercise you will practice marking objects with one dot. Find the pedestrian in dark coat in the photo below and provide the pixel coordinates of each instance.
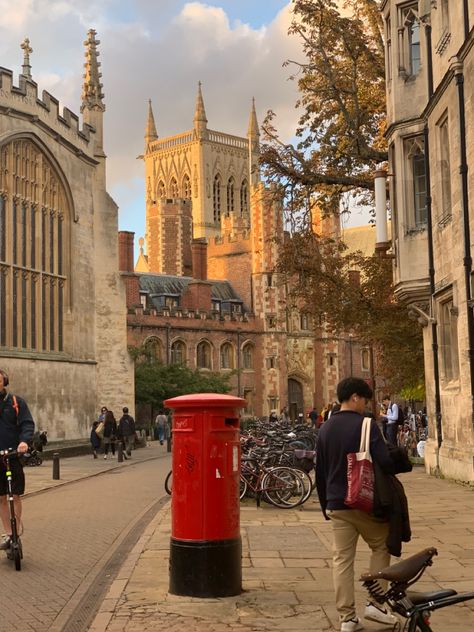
(110, 433)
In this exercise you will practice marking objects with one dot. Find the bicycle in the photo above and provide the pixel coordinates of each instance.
(15, 550)
(280, 486)
(169, 482)
(415, 607)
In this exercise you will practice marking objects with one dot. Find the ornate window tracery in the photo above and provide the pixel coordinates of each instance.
(34, 224)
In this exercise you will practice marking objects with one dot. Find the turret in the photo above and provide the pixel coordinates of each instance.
(253, 136)
(26, 68)
(150, 131)
(92, 106)
(200, 120)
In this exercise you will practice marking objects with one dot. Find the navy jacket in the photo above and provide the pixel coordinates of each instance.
(14, 430)
(339, 436)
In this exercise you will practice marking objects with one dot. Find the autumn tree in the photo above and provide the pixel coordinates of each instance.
(340, 136)
(339, 144)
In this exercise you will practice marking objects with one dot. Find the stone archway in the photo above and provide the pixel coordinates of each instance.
(295, 398)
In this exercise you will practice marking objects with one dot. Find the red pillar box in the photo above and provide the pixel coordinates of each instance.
(205, 550)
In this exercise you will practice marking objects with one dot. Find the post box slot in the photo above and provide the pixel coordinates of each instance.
(231, 421)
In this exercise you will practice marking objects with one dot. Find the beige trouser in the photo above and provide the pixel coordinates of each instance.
(347, 525)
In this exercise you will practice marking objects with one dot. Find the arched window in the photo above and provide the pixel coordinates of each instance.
(230, 195)
(161, 189)
(178, 352)
(153, 349)
(34, 236)
(244, 198)
(247, 355)
(227, 356)
(216, 198)
(203, 358)
(186, 187)
(174, 188)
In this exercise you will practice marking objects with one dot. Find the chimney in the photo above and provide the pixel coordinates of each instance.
(129, 278)
(199, 256)
(126, 251)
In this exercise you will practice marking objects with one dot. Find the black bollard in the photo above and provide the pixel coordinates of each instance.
(168, 443)
(120, 452)
(56, 466)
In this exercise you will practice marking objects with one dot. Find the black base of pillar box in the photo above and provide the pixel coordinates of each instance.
(206, 569)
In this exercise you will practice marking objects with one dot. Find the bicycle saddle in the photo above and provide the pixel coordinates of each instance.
(405, 570)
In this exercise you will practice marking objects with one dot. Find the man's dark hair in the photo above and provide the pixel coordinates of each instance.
(386, 397)
(125, 409)
(353, 386)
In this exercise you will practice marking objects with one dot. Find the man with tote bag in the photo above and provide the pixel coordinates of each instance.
(339, 437)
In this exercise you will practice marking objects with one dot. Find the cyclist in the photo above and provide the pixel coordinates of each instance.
(16, 431)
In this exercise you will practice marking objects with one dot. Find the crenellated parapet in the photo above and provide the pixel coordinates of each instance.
(23, 102)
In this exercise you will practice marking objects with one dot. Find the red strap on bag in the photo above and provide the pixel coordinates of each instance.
(360, 474)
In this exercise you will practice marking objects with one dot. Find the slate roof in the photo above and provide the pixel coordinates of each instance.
(156, 285)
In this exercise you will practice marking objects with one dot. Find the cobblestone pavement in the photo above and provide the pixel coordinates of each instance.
(287, 570)
(73, 531)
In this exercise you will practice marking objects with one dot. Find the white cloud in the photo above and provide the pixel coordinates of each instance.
(143, 57)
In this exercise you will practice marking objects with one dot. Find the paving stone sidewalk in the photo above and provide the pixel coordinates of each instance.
(287, 570)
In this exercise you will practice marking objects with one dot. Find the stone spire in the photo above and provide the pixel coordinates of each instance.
(150, 132)
(92, 94)
(253, 131)
(200, 120)
(253, 135)
(26, 68)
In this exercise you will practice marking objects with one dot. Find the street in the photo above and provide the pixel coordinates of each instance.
(76, 536)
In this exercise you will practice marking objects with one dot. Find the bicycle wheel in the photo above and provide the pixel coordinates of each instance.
(243, 488)
(283, 488)
(307, 484)
(169, 482)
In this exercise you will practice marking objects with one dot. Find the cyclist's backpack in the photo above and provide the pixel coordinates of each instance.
(401, 416)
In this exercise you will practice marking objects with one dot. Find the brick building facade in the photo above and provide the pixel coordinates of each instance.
(207, 292)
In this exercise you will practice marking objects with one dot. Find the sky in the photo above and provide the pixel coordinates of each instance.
(158, 50)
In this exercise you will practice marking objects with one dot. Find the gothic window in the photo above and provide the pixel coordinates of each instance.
(448, 329)
(244, 199)
(388, 49)
(203, 358)
(230, 195)
(174, 188)
(216, 197)
(186, 187)
(247, 356)
(178, 352)
(445, 169)
(416, 190)
(34, 228)
(153, 349)
(304, 322)
(365, 359)
(227, 356)
(410, 52)
(161, 189)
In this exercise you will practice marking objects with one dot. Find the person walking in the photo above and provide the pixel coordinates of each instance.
(110, 433)
(95, 439)
(16, 431)
(126, 432)
(391, 420)
(161, 423)
(339, 436)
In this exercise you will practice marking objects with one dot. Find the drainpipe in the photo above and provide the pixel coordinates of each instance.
(463, 170)
(429, 57)
(466, 18)
(168, 359)
(431, 272)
